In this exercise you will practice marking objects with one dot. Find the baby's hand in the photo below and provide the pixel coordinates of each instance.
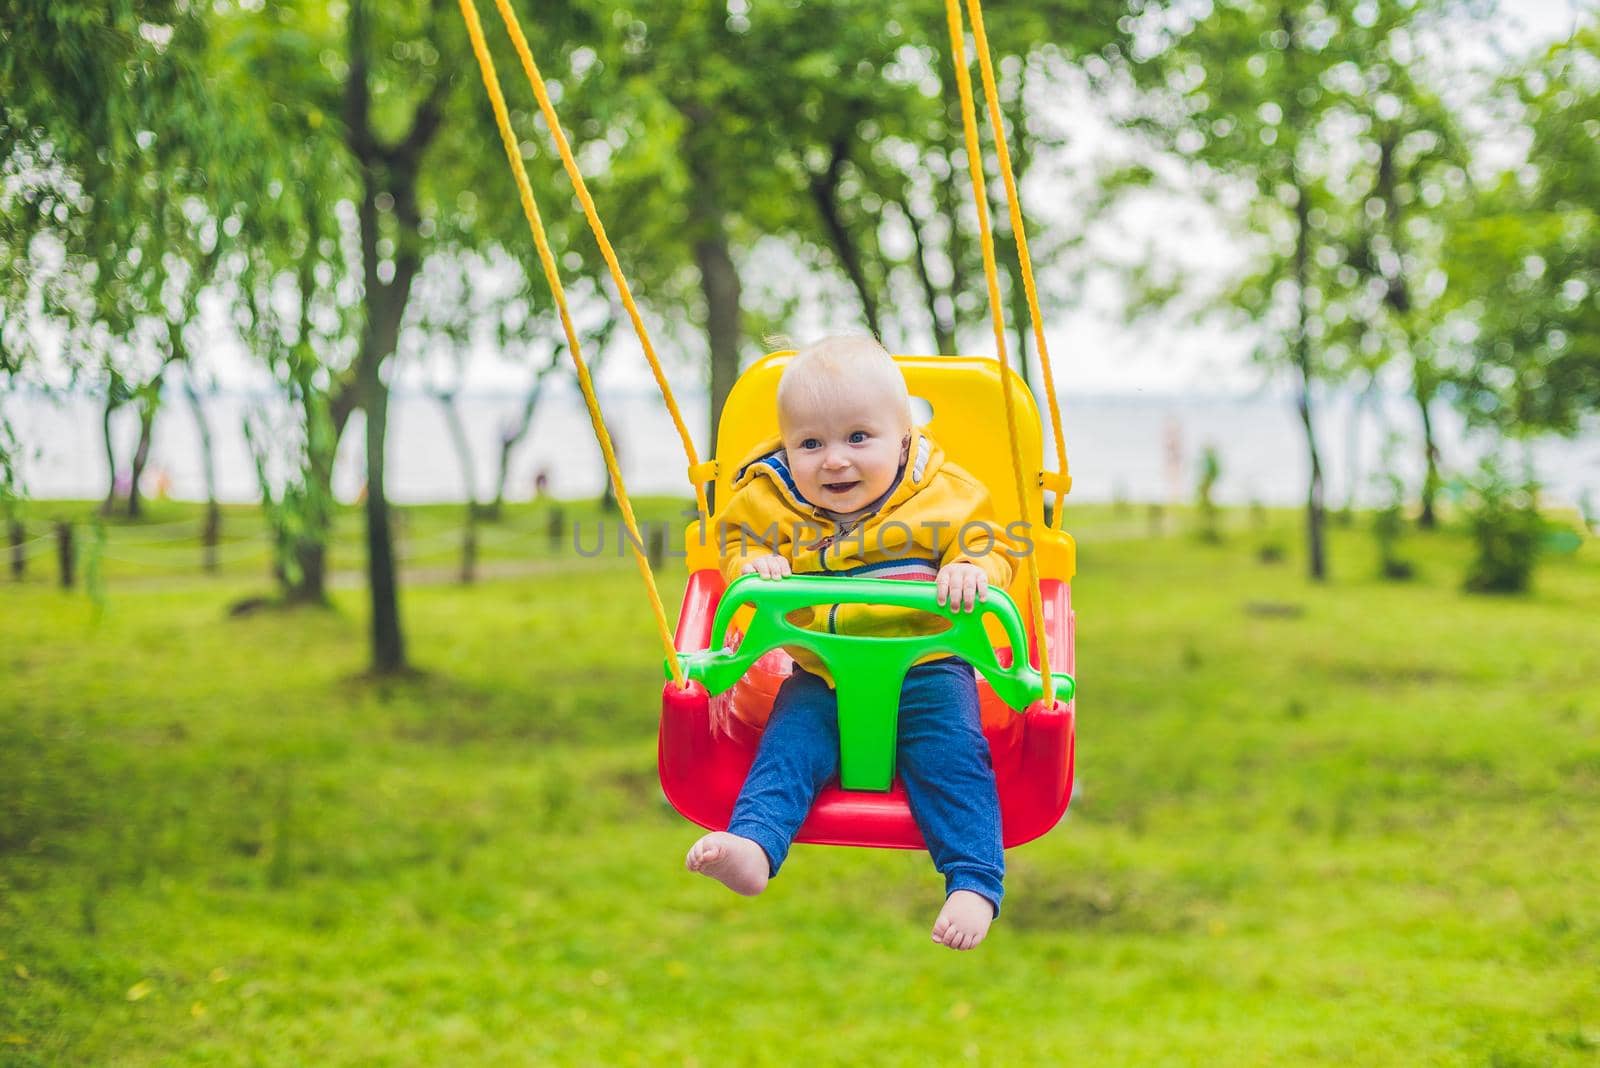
(768, 567)
(962, 585)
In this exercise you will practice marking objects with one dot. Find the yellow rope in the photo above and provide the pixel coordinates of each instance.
(969, 121)
(491, 81)
(535, 79)
(991, 95)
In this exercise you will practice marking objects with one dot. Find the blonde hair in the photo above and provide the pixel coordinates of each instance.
(825, 372)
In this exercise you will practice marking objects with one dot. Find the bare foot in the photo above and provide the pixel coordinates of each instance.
(964, 920)
(737, 863)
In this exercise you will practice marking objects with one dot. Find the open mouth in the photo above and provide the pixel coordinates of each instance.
(840, 487)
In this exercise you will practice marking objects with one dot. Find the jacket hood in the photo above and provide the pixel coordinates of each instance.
(924, 458)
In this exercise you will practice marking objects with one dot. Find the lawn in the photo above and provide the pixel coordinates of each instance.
(1356, 823)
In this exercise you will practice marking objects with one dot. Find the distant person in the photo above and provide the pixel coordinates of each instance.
(848, 466)
(1172, 448)
(541, 484)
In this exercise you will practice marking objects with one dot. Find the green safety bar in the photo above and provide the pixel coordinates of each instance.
(868, 670)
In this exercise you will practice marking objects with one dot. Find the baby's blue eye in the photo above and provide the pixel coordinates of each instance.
(811, 443)
(858, 437)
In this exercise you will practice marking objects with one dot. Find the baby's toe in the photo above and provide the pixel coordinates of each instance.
(700, 854)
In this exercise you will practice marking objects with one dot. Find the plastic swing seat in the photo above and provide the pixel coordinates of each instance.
(703, 760)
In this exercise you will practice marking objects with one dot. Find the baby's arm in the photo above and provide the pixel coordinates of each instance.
(977, 555)
(752, 539)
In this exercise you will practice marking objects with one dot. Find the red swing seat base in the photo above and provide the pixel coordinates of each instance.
(703, 766)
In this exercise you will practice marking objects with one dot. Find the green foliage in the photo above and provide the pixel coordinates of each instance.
(104, 211)
(1503, 517)
(1527, 257)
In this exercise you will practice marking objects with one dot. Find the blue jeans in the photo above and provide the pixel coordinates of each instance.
(941, 756)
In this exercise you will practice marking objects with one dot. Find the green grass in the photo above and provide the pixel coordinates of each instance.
(1350, 824)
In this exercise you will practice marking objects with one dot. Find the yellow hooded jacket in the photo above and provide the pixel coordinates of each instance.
(935, 514)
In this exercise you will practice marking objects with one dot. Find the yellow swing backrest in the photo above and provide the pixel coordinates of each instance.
(968, 421)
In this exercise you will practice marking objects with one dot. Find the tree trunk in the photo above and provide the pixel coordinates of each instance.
(458, 438)
(941, 318)
(1301, 342)
(310, 546)
(208, 466)
(608, 494)
(719, 282)
(66, 553)
(825, 194)
(149, 405)
(384, 310)
(388, 643)
(325, 417)
(211, 535)
(311, 581)
(112, 404)
(1397, 295)
(1358, 411)
(1302, 357)
(509, 442)
(389, 170)
(1428, 519)
(19, 549)
(1021, 147)
(1021, 321)
(952, 197)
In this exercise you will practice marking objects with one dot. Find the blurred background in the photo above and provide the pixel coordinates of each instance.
(322, 739)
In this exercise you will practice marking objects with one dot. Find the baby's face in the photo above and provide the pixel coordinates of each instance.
(845, 456)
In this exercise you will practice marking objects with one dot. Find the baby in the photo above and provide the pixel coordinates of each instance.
(852, 487)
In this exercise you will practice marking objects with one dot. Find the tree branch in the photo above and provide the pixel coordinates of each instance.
(825, 194)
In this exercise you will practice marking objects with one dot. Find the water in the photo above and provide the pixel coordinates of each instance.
(1138, 447)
